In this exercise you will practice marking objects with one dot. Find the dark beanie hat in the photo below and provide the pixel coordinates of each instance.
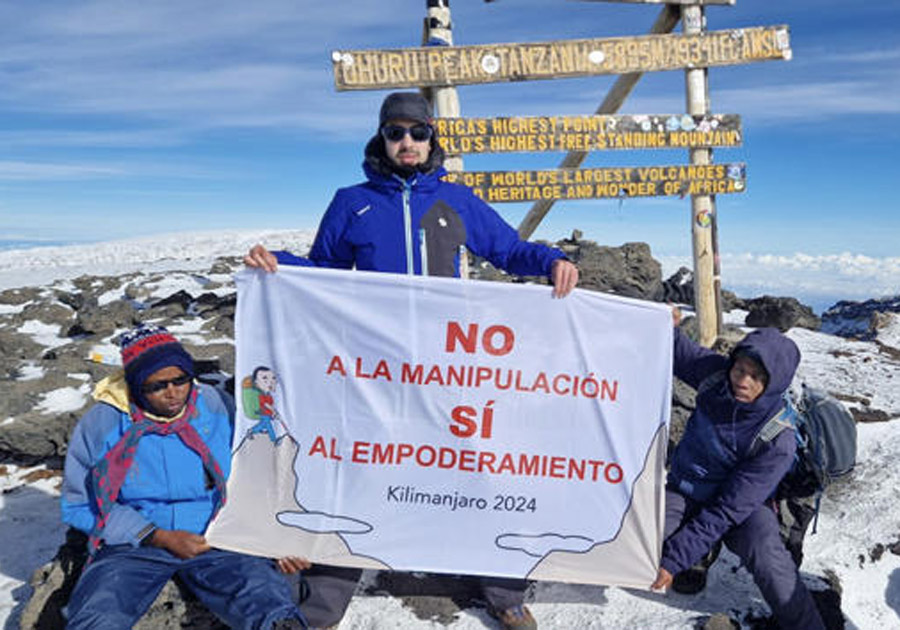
(147, 349)
(406, 105)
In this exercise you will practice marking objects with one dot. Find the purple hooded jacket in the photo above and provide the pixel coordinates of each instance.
(758, 471)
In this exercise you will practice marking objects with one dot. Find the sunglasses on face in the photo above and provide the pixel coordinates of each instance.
(158, 386)
(395, 133)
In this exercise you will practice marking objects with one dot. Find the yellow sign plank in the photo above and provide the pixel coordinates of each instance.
(587, 133)
(608, 182)
(494, 63)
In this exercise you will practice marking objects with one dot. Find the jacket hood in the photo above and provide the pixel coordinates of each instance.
(113, 390)
(776, 353)
(779, 356)
(376, 159)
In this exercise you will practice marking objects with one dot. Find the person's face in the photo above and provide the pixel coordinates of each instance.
(406, 151)
(166, 391)
(748, 379)
(265, 381)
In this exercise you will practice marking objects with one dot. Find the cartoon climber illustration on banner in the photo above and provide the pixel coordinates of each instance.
(258, 395)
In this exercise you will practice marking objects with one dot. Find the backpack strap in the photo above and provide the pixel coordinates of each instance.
(786, 418)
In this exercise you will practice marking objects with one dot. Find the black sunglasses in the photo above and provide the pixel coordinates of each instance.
(158, 386)
(395, 133)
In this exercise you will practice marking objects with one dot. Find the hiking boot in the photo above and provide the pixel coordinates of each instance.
(515, 618)
(690, 581)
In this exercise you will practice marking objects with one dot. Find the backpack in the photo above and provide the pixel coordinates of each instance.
(826, 443)
(825, 432)
(826, 449)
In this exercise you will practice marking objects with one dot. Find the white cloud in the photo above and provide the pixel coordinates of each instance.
(41, 170)
(798, 101)
(813, 100)
(27, 171)
(193, 66)
(144, 138)
(820, 279)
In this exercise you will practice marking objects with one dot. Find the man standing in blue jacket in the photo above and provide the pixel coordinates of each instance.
(406, 219)
(729, 462)
(145, 474)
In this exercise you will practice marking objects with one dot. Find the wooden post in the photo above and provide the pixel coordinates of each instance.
(445, 100)
(620, 90)
(702, 211)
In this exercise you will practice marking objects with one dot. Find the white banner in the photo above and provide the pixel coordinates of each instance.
(432, 424)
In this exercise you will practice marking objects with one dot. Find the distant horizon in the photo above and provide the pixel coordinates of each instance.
(22, 243)
(819, 282)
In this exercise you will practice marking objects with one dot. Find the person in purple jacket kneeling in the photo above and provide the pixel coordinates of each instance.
(728, 464)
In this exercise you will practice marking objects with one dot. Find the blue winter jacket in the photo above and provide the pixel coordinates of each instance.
(393, 224)
(758, 467)
(166, 485)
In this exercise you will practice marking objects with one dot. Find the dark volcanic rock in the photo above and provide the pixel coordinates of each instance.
(74, 301)
(859, 320)
(782, 313)
(629, 270)
(54, 314)
(182, 299)
(731, 302)
(34, 437)
(14, 345)
(679, 287)
(683, 402)
(869, 415)
(103, 320)
(95, 285)
(17, 297)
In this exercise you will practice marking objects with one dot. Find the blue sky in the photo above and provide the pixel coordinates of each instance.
(127, 118)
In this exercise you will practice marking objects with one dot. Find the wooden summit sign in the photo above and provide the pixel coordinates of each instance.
(587, 133)
(494, 63)
(599, 183)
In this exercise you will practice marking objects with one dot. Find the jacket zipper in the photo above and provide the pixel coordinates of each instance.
(423, 252)
(407, 227)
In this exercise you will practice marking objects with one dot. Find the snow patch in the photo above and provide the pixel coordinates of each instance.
(64, 399)
(31, 372)
(44, 334)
